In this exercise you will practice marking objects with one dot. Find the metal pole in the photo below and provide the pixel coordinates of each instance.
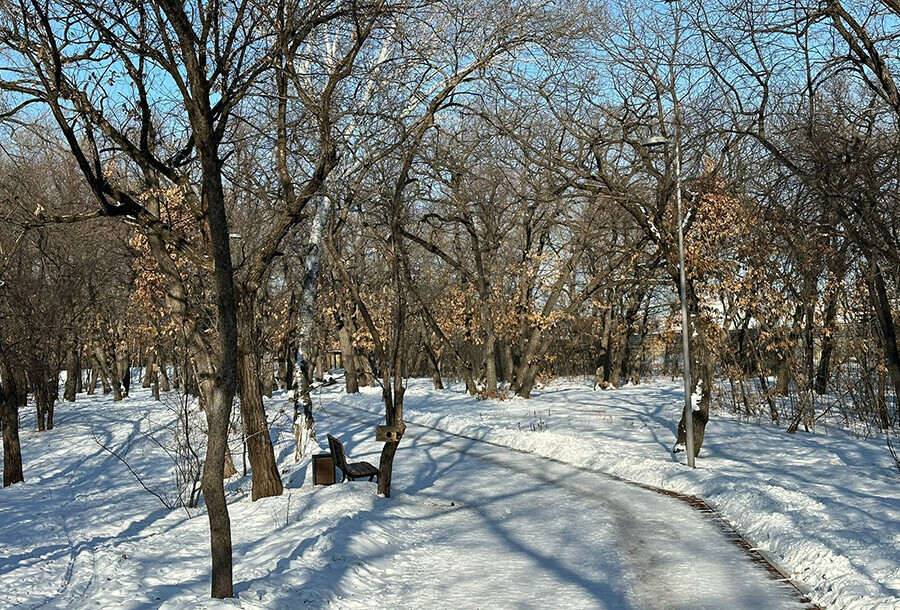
(685, 336)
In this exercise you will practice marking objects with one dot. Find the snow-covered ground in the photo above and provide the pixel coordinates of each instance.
(469, 525)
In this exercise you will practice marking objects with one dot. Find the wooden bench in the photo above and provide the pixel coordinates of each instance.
(356, 470)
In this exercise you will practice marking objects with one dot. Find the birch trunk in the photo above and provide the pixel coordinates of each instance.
(304, 424)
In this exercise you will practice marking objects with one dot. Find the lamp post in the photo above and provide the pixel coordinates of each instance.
(652, 142)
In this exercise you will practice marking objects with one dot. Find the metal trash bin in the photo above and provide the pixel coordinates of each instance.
(323, 469)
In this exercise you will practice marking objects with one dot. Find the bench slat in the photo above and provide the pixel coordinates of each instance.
(362, 469)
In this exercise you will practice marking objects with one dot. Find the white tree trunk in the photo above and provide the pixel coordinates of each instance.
(304, 424)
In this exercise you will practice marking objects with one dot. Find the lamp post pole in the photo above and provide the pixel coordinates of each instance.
(685, 325)
(653, 142)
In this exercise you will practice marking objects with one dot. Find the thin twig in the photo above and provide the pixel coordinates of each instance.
(165, 501)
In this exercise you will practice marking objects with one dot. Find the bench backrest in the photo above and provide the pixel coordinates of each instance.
(337, 452)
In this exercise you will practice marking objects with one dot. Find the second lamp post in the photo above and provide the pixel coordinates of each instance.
(660, 141)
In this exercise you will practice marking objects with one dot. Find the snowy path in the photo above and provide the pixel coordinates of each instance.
(470, 525)
(61, 531)
(536, 532)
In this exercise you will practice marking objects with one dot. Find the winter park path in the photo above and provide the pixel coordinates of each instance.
(470, 525)
(541, 533)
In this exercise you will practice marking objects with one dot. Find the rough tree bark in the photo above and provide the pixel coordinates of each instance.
(165, 384)
(702, 365)
(92, 380)
(9, 419)
(348, 358)
(882, 306)
(435, 365)
(79, 378)
(107, 379)
(45, 385)
(149, 363)
(72, 374)
(823, 372)
(266, 478)
(490, 346)
(269, 383)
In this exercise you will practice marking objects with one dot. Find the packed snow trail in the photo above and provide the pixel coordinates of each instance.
(537, 532)
(470, 525)
(71, 511)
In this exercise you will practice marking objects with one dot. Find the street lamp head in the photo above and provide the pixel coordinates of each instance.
(654, 142)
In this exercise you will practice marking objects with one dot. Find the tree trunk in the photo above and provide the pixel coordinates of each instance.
(782, 375)
(636, 369)
(700, 415)
(266, 478)
(110, 384)
(602, 362)
(212, 483)
(50, 410)
(530, 361)
(269, 383)
(701, 357)
(785, 353)
(191, 383)
(386, 468)
(117, 388)
(178, 371)
(392, 395)
(113, 374)
(525, 380)
(165, 384)
(40, 401)
(606, 344)
(123, 369)
(12, 451)
(122, 359)
(623, 352)
(509, 363)
(45, 385)
(618, 344)
(289, 367)
(469, 378)
(490, 352)
(79, 378)
(351, 381)
(226, 370)
(809, 346)
(882, 307)
(9, 419)
(155, 383)
(436, 367)
(304, 425)
(321, 366)
(92, 380)
(824, 370)
(72, 374)
(264, 470)
(149, 364)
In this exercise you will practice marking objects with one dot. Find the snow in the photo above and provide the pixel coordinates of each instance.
(470, 524)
